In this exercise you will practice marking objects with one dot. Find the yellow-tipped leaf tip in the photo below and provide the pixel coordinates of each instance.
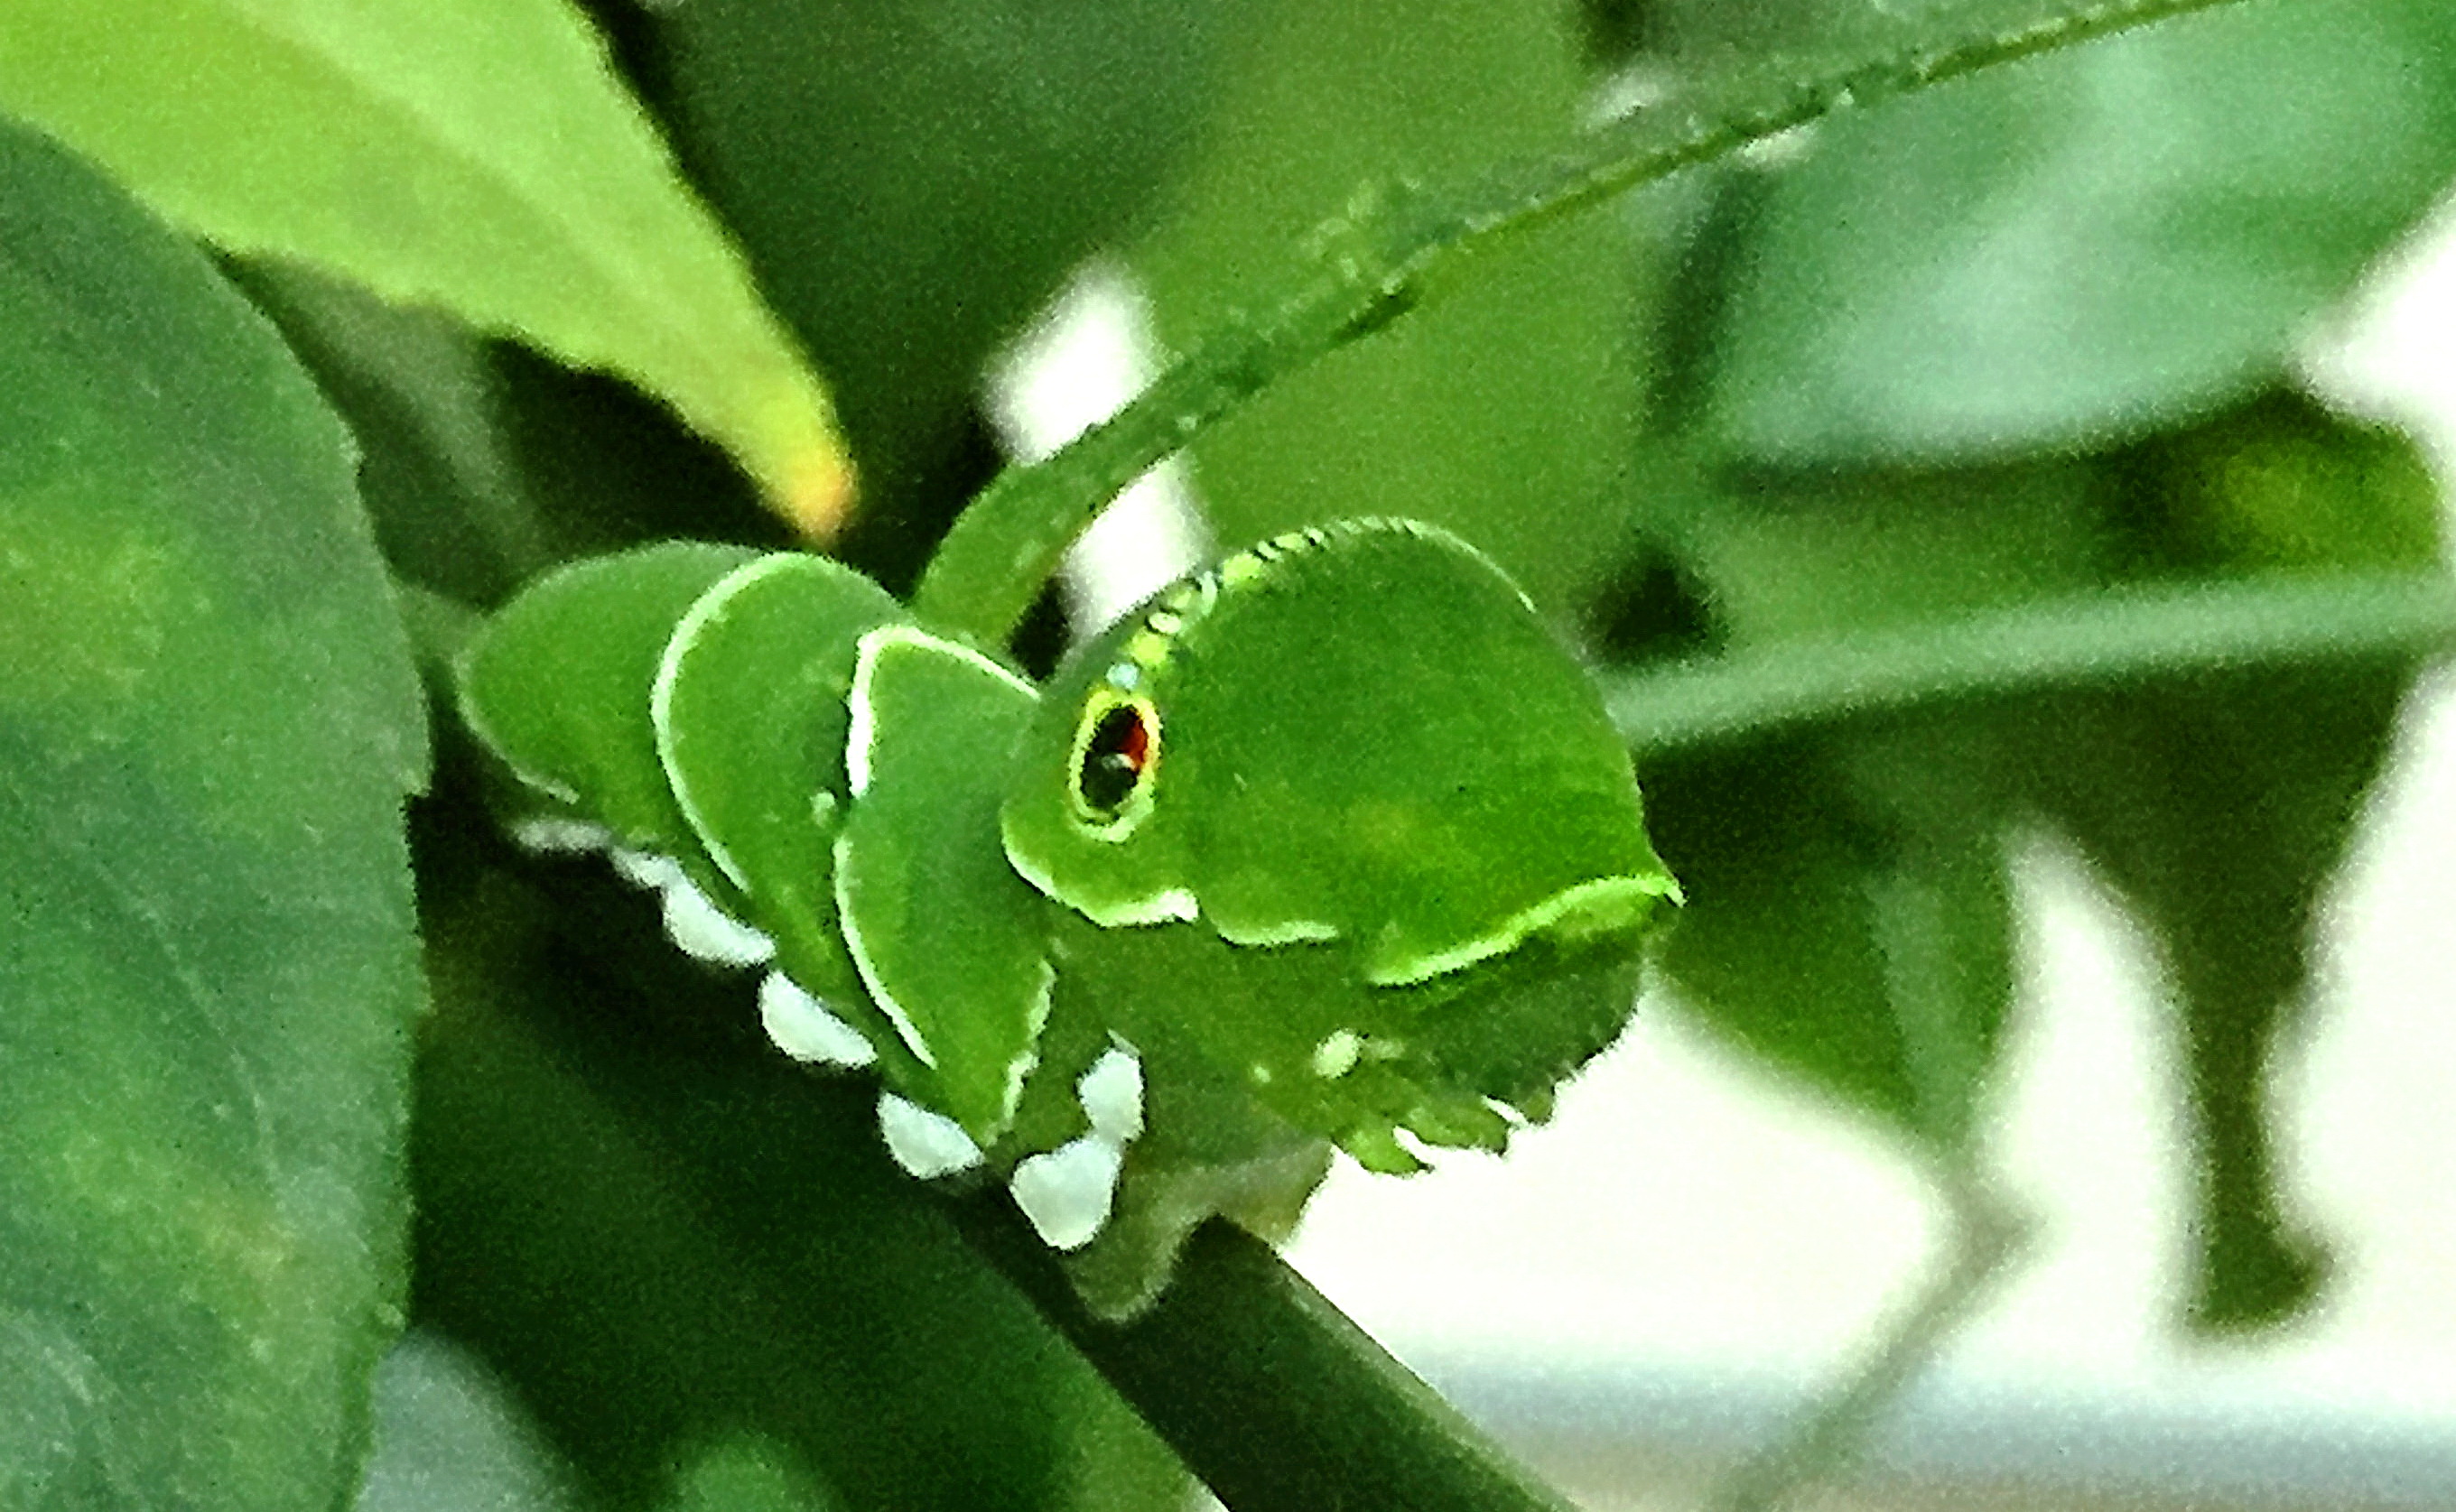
(815, 494)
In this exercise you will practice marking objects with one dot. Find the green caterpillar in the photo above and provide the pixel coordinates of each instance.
(1328, 845)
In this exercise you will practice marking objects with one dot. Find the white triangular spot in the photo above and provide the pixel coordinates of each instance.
(706, 932)
(645, 869)
(927, 1145)
(1111, 1095)
(552, 835)
(1067, 1193)
(803, 1027)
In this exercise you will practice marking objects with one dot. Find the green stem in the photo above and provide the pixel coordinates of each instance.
(1265, 1390)
(1372, 269)
(1985, 1238)
(2077, 642)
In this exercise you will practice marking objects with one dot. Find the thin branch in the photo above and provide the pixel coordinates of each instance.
(1986, 1237)
(1371, 268)
(1946, 1056)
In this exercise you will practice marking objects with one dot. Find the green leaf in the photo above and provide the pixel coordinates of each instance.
(2205, 723)
(448, 1437)
(1850, 921)
(208, 721)
(2221, 804)
(2221, 811)
(1794, 556)
(751, 1474)
(452, 510)
(475, 155)
(2088, 245)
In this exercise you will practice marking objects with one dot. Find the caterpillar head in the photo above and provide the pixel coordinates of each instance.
(1361, 733)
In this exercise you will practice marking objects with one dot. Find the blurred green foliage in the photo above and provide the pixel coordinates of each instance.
(2003, 354)
(2085, 249)
(208, 721)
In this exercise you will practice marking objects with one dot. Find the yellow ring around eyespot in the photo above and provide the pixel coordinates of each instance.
(1097, 705)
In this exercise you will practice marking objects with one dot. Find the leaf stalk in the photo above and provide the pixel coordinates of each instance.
(1369, 268)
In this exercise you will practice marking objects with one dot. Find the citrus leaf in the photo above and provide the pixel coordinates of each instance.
(2205, 722)
(2222, 803)
(208, 720)
(452, 511)
(1850, 923)
(449, 1435)
(475, 155)
(2084, 245)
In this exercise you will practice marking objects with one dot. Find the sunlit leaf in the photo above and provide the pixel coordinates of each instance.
(474, 155)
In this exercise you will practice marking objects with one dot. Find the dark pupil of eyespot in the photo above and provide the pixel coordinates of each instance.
(1114, 759)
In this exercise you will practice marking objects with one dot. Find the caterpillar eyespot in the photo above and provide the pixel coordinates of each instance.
(1329, 846)
(1118, 763)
